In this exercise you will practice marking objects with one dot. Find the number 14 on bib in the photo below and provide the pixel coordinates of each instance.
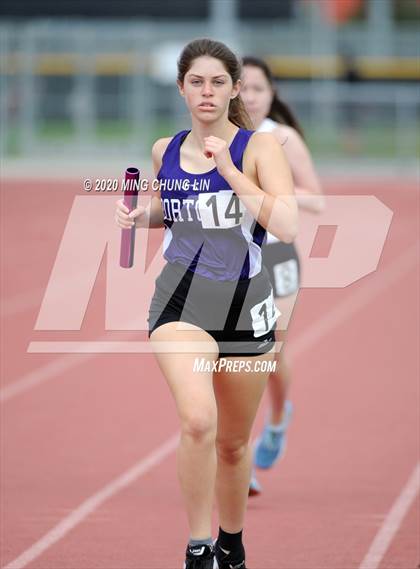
(221, 210)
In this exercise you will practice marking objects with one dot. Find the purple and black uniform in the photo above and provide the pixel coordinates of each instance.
(214, 277)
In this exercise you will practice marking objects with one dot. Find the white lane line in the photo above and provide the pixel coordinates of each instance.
(359, 298)
(93, 502)
(41, 374)
(392, 522)
(44, 373)
(20, 303)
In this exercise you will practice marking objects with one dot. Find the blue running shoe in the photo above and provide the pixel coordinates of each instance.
(254, 486)
(270, 446)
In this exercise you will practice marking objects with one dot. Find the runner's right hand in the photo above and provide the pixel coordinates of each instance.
(126, 219)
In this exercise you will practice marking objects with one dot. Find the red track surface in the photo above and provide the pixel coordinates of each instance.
(353, 441)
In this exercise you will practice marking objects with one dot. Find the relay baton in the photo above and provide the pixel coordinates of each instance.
(128, 236)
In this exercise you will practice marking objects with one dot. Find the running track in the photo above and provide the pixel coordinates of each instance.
(88, 463)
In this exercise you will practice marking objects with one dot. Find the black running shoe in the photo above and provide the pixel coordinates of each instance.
(229, 561)
(199, 557)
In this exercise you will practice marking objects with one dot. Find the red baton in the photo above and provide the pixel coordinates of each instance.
(128, 236)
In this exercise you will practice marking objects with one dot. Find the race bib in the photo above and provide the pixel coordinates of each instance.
(264, 315)
(220, 210)
(286, 277)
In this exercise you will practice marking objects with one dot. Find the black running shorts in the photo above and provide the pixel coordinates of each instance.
(241, 315)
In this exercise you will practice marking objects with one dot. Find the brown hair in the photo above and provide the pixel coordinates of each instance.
(211, 48)
(279, 110)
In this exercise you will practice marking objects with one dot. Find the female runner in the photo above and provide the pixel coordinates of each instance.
(212, 317)
(270, 114)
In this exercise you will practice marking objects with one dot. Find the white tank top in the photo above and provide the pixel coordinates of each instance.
(268, 125)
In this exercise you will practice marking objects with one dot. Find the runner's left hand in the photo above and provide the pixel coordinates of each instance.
(219, 150)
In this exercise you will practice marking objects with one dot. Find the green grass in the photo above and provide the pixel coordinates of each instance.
(372, 141)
